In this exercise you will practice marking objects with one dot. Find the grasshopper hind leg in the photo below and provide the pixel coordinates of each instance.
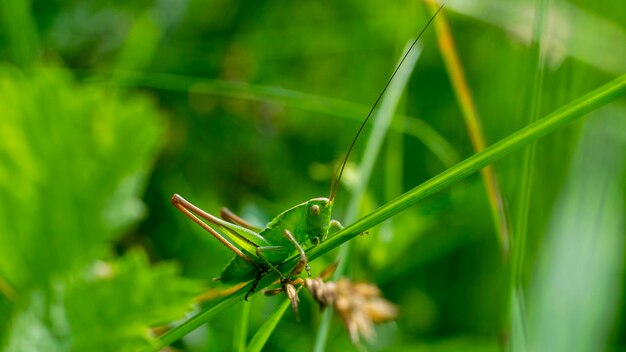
(231, 217)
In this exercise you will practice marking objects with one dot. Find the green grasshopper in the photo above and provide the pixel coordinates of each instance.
(259, 251)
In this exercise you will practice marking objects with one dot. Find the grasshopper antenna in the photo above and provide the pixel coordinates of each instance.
(335, 185)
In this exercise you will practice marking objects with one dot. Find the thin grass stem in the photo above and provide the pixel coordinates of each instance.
(473, 124)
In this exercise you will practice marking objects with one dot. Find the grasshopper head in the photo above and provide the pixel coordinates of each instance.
(318, 218)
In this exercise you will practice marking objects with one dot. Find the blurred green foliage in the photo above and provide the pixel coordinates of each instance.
(108, 108)
(70, 186)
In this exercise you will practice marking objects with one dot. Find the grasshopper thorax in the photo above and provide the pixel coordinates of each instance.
(318, 217)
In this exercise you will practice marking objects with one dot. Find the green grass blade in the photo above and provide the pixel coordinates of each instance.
(517, 318)
(241, 329)
(576, 109)
(260, 337)
(373, 146)
(473, 125)
(524, 136)
(205, 315)
(576, 292)
(20, 31)
(414, 127)
(533, 102)
(435, 142)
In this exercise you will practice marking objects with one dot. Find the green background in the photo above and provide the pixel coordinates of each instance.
(108, 108)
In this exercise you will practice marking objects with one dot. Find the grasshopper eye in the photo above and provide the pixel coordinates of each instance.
(315, 209)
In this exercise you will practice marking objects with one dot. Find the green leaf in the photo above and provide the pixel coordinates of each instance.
(75, 162)
(122, 306)
(73, 165)
(110, 308)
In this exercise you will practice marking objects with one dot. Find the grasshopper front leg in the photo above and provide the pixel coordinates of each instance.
(303, 262)
(336, 226)
(333, 227)
(259, 253)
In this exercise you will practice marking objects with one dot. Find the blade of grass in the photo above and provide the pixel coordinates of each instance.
(431, 139)
(263, 334)
(522, 137)
(575, 296)
(205, 315)
(533, 101)
(307, 102)
(373, 145)
(241, 329)
(568, 113)
(518, 321)
(472, 123)
(21, 31)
